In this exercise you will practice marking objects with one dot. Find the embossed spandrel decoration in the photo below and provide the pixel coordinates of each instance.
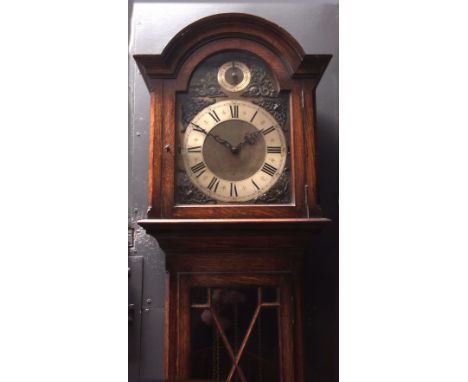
(278, 107)
(233, 138)
(262, 83)
(204, 82)
(192, 108)
(279, 193)
(186, 191)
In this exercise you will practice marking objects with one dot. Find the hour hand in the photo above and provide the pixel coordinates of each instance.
(251, 139)
(222, 141)
(215, 137)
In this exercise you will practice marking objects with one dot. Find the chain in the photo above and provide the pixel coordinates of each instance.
(260, 350)
(236, 329)
(217, 355)
(213, 353)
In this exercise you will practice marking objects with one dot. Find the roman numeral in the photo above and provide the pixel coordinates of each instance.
(194, 149)
(268, 131)
(233, 189)
(251, 119)
(269, 169)
(255, 184)
(234, 111)
(214, 116)
(197, 128)
(214, 183)
(274, 149)
(198, 167)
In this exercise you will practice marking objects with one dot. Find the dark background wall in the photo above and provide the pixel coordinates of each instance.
(314, 24)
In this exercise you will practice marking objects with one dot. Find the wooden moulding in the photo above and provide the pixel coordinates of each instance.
(227, 25)
(241, 236)
(242, 265)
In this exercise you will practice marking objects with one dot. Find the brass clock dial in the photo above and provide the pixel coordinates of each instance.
(234, 76)
(234, 151)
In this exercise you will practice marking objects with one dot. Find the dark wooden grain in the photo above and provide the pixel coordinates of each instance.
(248, 236)
(310, 164)
(155, 150)
(217, 27)
(297, 150)
(236, 270)
(312, 66)
(233, 245)
(278, 276)
(287, 313)
(169, 327)
(166, 225)
(297, 286)
(183, 331)
(235, 263)
(169, 151)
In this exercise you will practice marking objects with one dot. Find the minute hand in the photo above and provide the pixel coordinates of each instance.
(251, 139)
(215, 137)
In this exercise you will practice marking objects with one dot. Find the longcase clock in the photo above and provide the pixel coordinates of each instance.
(233, 195)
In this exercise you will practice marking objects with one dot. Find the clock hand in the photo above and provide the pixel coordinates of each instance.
(215, 137)
(222, 141)
(234, 73)
(251, 139)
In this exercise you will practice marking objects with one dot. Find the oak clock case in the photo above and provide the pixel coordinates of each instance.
(233, 142)
(233, 196)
